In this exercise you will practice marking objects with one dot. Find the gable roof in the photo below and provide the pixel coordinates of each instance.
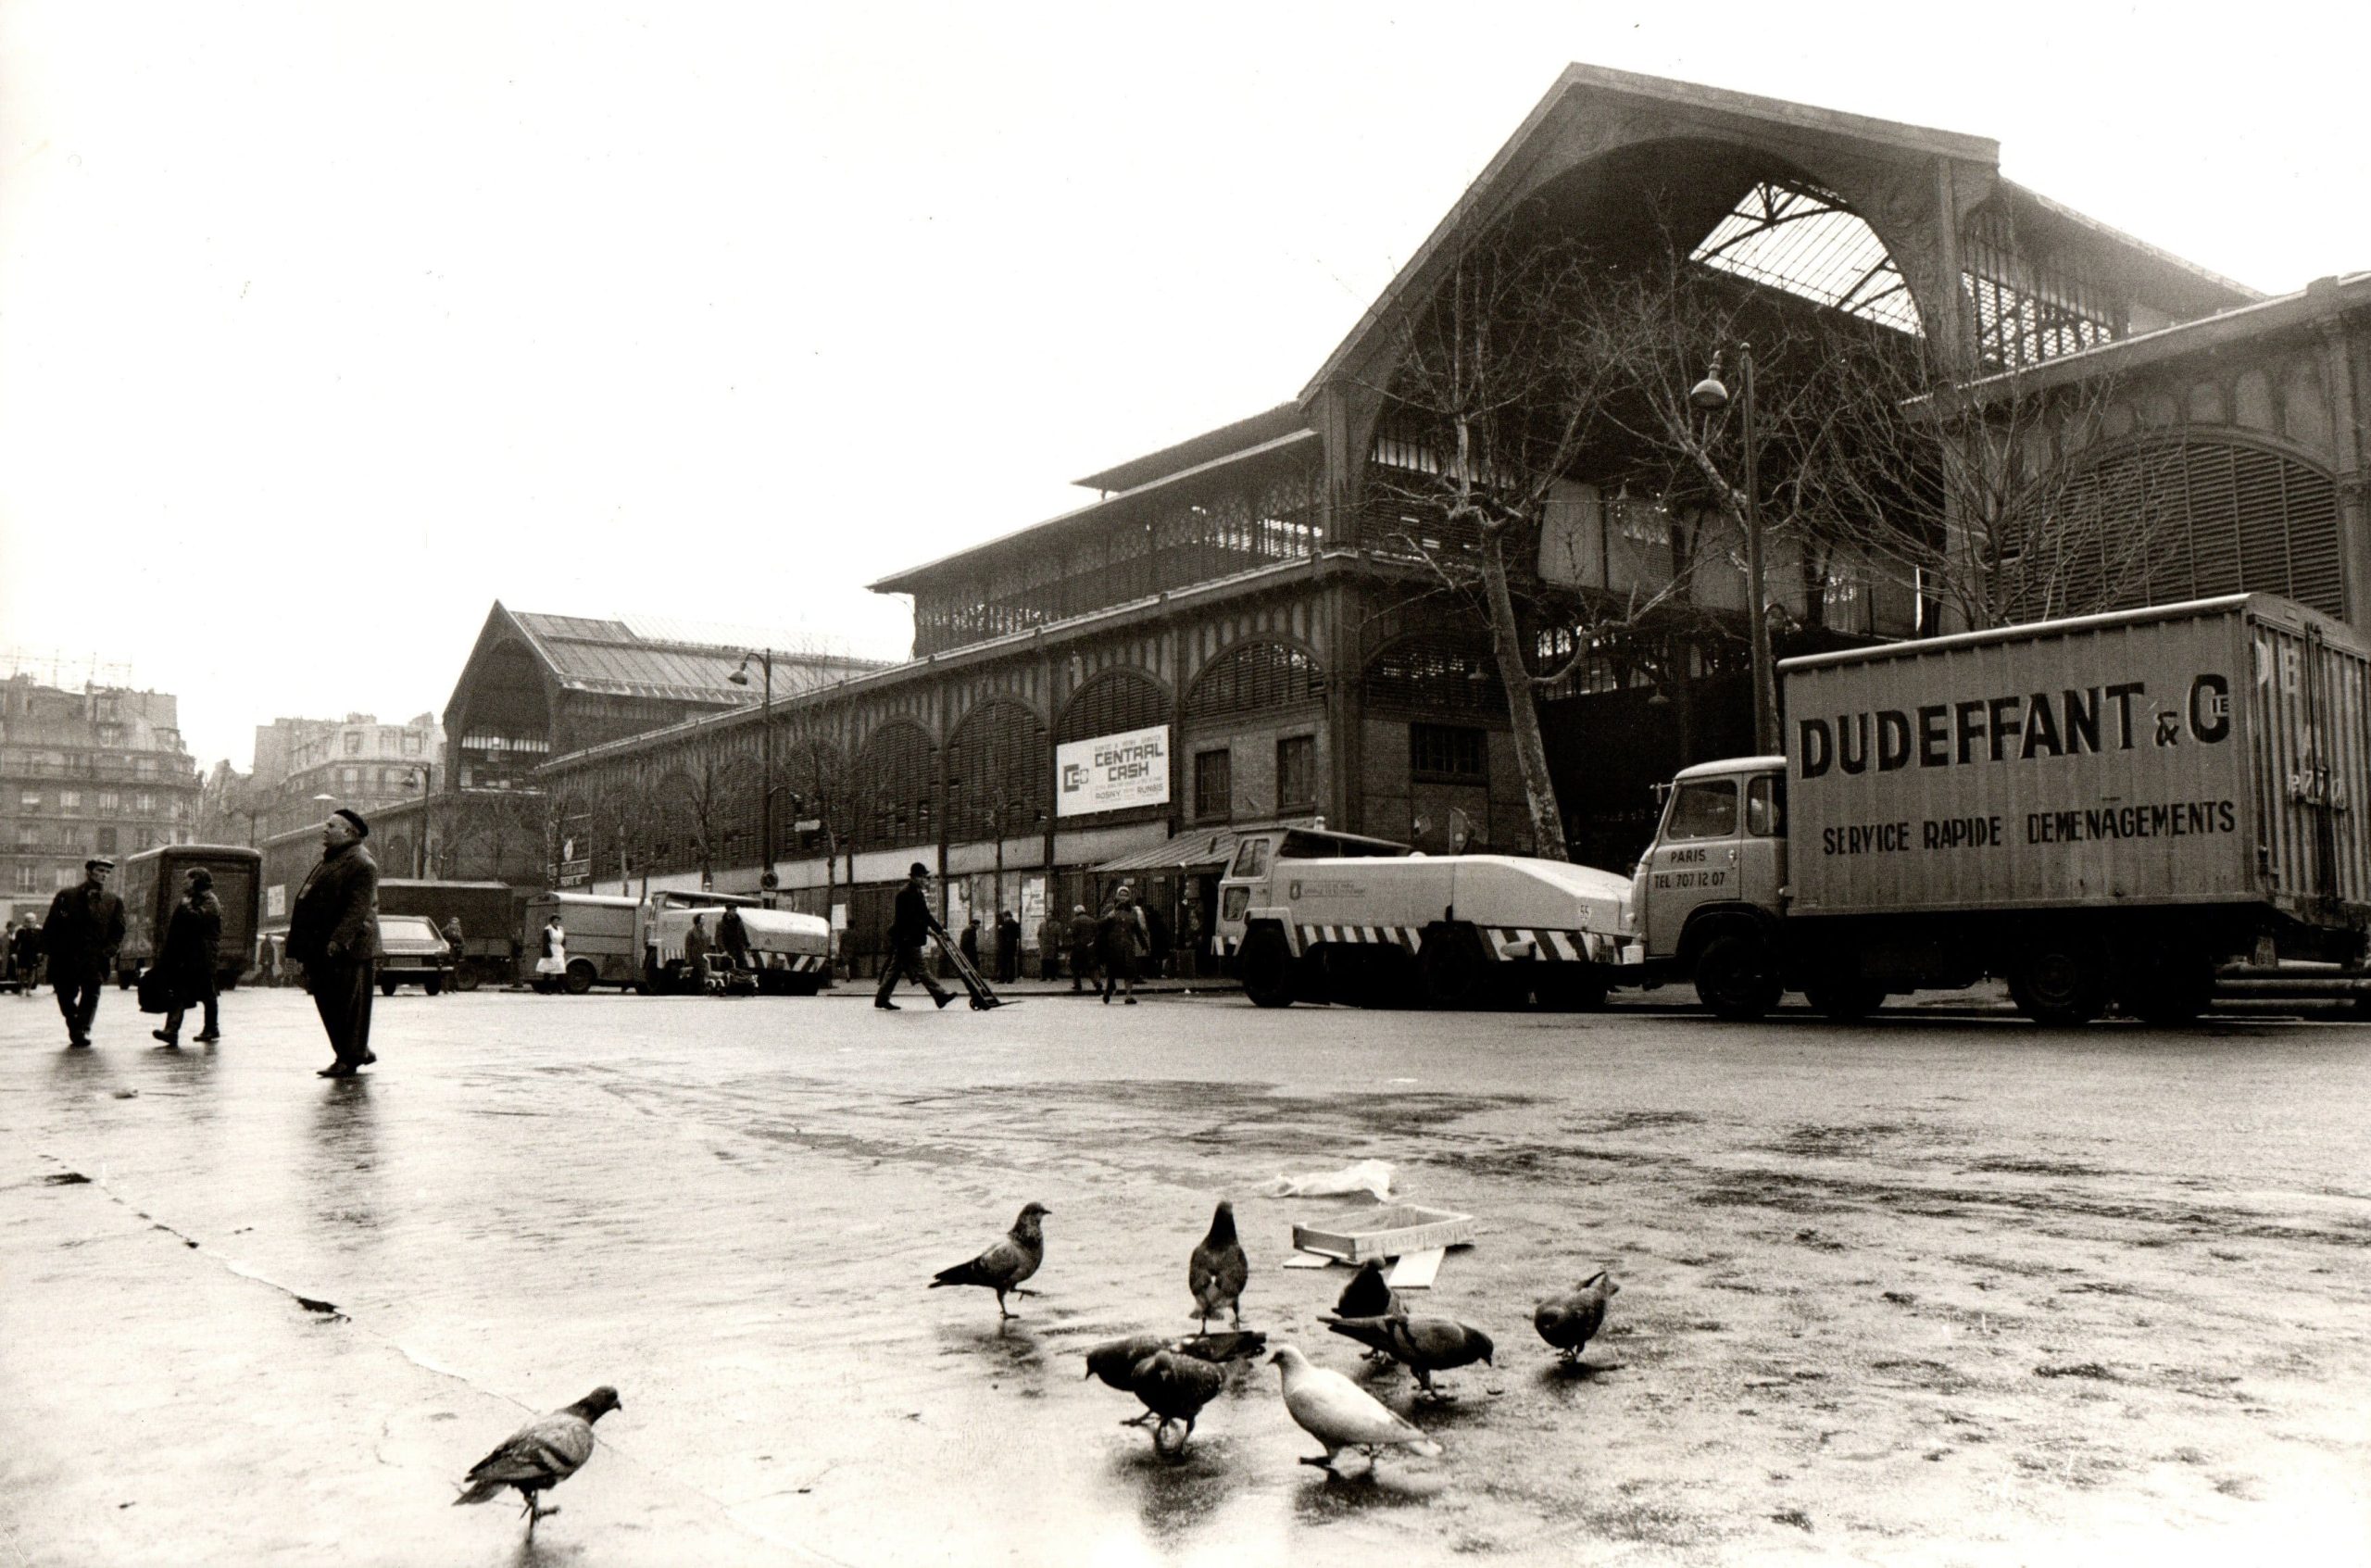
(613, 657)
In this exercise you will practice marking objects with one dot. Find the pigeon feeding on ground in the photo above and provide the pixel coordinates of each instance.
(1568, 1318)
(1369, 1295)
(1219, 1269)
(1003, 1266)
(1340, 1414)
(543, 1453)
(1143, 1365)
(1423, 1344)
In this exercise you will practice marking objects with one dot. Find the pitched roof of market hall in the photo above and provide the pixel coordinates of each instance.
(652, 657)
(1552, 141)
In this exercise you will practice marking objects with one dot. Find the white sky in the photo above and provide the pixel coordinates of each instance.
(324, 325)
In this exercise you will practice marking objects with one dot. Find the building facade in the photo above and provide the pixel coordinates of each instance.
(96, 771)
(1257, 624)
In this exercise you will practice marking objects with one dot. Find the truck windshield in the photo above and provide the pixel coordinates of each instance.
(1703, 808)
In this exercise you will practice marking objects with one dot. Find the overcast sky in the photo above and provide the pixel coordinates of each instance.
(322, 326)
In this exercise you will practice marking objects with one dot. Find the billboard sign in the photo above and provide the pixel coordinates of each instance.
(1113, 772)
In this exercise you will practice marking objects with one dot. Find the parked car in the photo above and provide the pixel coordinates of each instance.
(411, 951)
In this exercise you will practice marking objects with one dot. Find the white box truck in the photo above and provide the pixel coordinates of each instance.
(2099, 810)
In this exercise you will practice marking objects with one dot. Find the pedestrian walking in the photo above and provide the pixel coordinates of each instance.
(732, 935)
(969, 943)
(29, 957)
(80, 939)
(1008, 947)
(8, 953)
(551, 966)
(909, 926)
(192, 947)
(1050, 946)
(333, 932)
(1083, 937)
(1124, 943)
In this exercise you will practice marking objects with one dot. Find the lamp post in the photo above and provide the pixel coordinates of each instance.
(1711, 397)
(766, 878)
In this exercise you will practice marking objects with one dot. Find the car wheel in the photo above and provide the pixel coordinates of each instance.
(1737, 977)
(387, 987)
(433, 987)
(1267, 969)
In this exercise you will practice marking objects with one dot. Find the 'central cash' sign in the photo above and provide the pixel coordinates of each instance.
(1112, 773)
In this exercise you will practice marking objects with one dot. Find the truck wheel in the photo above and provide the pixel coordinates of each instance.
(1846, 1001)
(466, 979)
(580, 976)
(1736, 977)
(1267, 969)
(1452, 970)
(2060, 979)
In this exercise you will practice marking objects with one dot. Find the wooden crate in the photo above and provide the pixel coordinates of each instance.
(1387, 1232)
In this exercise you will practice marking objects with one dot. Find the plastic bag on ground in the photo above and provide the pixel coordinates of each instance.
(1371, 1177)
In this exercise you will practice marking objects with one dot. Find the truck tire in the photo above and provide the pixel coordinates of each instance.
(580, 976)
(2166, 982)
(2060, 978)
(1267, 969)
(1736, 977)
(1452, 970)
(1846, 1001)
(466, 978)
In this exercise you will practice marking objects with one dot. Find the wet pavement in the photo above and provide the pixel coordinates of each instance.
(1942, 1290)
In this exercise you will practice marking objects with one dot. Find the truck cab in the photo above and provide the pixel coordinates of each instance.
(1717, 867)
(1260, 856)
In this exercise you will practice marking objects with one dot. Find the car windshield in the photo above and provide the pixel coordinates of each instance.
(406, 928)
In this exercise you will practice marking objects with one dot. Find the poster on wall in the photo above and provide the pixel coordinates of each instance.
(1033, 910)
(1110, 773)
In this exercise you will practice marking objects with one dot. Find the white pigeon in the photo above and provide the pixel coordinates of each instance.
(1340, 1414)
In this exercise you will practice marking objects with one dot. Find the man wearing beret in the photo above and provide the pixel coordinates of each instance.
(85, 928)
(333, 932)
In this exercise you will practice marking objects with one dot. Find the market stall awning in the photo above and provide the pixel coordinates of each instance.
(1202, 850)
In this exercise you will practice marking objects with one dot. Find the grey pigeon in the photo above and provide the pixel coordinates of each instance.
(1567, 1320)
(541, 1454)
(1423, 1344)
(1117, 1362)
(1217, 1272)
(1367, 1296)
(1003, 1266)
(1339, 1413)
(1174, 1386)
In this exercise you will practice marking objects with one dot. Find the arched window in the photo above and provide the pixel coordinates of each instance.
(1254, 677)
(1434, 674)
(998, 773)
(897, 773)
(1113, 703)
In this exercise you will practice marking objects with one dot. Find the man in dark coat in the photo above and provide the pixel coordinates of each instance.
(1008, 947)
(192, 947)
(85, 928)
(333, 932)
(1083, 928)
(909, 927)
(697, 948)
(732, 935)
(1050, 935)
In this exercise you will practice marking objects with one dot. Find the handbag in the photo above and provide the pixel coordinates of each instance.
(155, 990)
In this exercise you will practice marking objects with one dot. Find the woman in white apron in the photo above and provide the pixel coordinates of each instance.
(554, 963)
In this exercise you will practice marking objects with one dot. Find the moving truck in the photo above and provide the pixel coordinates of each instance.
(2099, 810)
(488, 913)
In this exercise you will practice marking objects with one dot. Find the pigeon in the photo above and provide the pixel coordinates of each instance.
(1367, 1296)
(1218, 1269)
(1424, 1345)
(1003, 1266)
(1340, 1414)
(1119, 1361)
(1567, 1320)
(543, 1453)
(1174, 1386)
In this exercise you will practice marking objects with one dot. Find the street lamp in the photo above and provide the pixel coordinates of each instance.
(766, 878)
(1711, 397)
